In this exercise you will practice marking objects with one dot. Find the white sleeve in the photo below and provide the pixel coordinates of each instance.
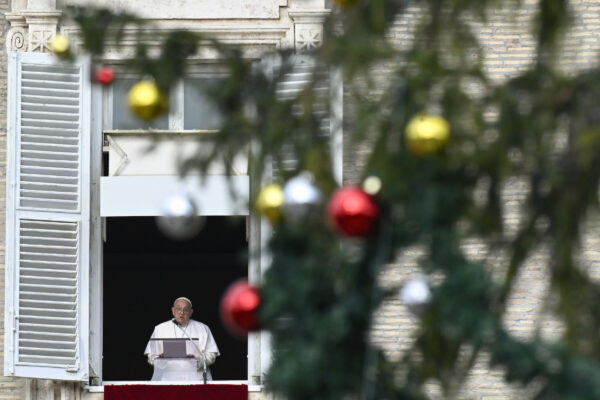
(210, 351)
(152, 355)
(210, 357)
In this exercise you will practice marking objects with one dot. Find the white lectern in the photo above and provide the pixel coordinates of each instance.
(173, 363)
(176, 369)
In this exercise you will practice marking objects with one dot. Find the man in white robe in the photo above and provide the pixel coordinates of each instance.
(201, 351)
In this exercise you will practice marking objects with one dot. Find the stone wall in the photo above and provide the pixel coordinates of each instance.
(508, 49)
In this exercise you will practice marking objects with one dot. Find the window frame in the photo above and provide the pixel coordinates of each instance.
(258, 354)
(97, 118)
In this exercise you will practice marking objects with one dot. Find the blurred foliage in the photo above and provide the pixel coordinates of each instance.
(321, 292)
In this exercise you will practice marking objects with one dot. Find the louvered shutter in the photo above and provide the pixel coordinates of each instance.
(47, 218)
(328, 107)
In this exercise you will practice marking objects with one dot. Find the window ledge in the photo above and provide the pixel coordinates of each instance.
(100, 389)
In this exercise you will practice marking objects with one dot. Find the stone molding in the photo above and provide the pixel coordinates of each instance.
(193, 9)
(309, 16)
(31, 30)
(17, 37)
(308, 28)
(254, 40)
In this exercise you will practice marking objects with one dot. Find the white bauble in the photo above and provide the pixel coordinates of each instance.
(301, 198)
(179, 217)
(416, 295)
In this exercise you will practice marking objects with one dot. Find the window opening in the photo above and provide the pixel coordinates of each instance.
(144, 271)
(198, 111)
(123, 118)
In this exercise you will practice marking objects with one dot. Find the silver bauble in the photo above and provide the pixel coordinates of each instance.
(301, 198)
(416, 295)
(179, 217)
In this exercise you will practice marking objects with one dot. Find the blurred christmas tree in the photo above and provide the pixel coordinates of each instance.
(440, 152)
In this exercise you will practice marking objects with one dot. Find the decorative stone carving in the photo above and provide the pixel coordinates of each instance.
(308, 27)
(39, 38)
(16, 38)
(42, 28)
(307, 38)
(32, 28)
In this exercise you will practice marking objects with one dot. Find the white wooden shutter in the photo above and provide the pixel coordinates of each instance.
(328, 107)
(47, 218)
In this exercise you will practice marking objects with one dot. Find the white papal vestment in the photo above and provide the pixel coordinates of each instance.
(182, 369)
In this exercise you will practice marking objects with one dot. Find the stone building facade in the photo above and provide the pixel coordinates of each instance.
(30, 24)
(257, 26)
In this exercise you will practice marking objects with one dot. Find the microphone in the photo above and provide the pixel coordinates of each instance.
(173, 320)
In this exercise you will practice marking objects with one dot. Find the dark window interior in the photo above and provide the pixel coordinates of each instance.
(144, 271)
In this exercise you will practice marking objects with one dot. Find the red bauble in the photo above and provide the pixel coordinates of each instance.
(353, 211)
(239, 308)
(105, 75)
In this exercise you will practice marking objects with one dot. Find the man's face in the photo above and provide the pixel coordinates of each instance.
(182, 311)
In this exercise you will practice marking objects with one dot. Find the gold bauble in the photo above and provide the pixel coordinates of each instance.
(270, 202)
(147, 101)
(426, 134)
(60, 46)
